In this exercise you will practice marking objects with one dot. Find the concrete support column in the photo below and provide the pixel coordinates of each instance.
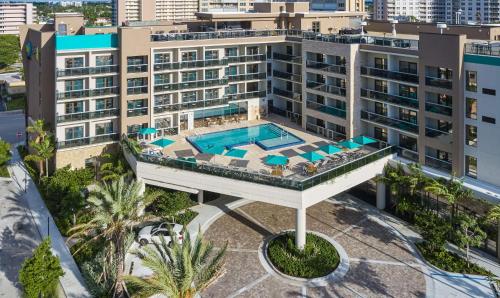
(142, 190)
(498, 240)
(300, 231)
(381, 195)
(200, 197)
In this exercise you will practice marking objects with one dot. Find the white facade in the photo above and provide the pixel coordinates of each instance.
(13, 15)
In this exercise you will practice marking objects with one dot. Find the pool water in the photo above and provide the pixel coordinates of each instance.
(267, 136)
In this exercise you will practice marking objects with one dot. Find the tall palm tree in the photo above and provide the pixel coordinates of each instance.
(44, 150)
(38, 128)
(179, 270)
(115, 208)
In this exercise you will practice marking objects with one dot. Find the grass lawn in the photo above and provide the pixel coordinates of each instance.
(16, 103)
(4, 172)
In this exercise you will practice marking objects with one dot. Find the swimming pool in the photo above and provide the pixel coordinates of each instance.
(267, 136)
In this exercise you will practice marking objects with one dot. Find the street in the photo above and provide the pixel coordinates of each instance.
(12, 123)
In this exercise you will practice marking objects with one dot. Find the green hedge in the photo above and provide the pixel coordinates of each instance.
(318, 258)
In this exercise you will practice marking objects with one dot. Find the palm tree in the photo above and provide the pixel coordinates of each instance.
(44, 151)
(113, 168)
(115, 209)
(38, 128)
(179, 270)
(494, 216)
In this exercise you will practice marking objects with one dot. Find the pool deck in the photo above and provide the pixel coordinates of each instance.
(256, 155)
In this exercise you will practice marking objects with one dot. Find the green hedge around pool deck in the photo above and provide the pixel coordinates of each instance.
(318, 258)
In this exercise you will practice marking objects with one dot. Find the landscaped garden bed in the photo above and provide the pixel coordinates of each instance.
(318, 258)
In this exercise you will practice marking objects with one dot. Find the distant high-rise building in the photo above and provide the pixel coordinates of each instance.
(338, 5)
(149, 10)
(481, 11)
(12, 15)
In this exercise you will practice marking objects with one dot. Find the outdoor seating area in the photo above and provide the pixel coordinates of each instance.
(296, 162)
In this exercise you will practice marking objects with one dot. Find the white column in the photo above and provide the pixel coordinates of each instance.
(142, 190)
(300, 231)
(200, 197)
(380, 195)
(498, 240)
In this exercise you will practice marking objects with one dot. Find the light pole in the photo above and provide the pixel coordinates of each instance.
(458, 18)
(363, 24)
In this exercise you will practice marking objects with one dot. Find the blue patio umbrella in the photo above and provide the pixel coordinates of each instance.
(214, 150)
(330, 149)
(239, 153)
(162, 142)
(147, 131)
(312, 156)
(363, 140)
(276, 160)
(349, 145)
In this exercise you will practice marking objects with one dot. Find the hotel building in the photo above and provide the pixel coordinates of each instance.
(13, 15)
(426, 97)
(150, 10)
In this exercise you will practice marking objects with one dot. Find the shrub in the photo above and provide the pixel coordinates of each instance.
(4, 152)
(318, 258)
(40, 273)
(433, 229)
(185, 217)
(169, 203)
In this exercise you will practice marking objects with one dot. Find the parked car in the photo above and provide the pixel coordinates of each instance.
(150, 234)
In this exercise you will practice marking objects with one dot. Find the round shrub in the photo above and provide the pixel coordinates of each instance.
(318, 258)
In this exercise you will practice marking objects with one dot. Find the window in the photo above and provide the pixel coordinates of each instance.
(62, 29)
(471, 108)
(211, 94)
(444, 99)
(136, 60)
(231, 52)
(316, 27)
(104, 82)
(232, 89)
(72, 133)
(408, 91)
(163, 78)
(211, 55)
(408, 67)
(134, 128)
(73, 107)
(471, 81)
(137, 85)
(253, 68)
(231, 70)
(104, 60)
(380, 108)
(253, 86)
(408, 115)
(189, 56)
(408, 142)
(443, 155)
(380, 86)
(471, 135)
(104, 128)
(162, 58)
(73, 85)
(73, 62)
(489, 91)
(471, 166)
(137, 107)
(163, 100)
(211, 74)
(490, 120)
(189, 76)
(380, 63)
(163, 122)
(188, 96)
(103, 104)
(252, 50)
(380, 133)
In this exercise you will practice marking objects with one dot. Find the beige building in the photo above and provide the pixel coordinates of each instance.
(13, 15)
(153, 10)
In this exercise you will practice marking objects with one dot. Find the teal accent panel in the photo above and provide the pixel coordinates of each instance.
(83, 42)
(480, 59)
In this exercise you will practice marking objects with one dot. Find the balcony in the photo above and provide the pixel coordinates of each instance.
(391, 99)
(88, 141)
(137, 112)
(438, 109)
(326, 88)
(287, 76)
(247, 77)
(439, 164)
(81, 71)
(438, 82)
(87, 115)
(288, 94)
(388, 74)
(137, 90)
(444, 137)
(224, 34)
(190, 85)
(407, 153)
(326, 109)
(247, 95)
(190, 64)
(326, 67)
(246, 58)
(137, 68)
(76, 94)
(191, 105)
(287, 58)
(390, 122)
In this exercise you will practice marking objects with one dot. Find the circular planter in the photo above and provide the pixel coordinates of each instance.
(335, 275)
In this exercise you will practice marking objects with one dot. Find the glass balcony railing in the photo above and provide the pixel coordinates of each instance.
(379, 150)
(224, 34)
(392, 42)
(87, 93)
(407, 153)
(137, 112)
(388, 74)
(247, 95)
(88, 141)
(81, 71)
(389, 98)
(329, 133)
(87, 115)
(247, 77)
(326, 109)
(486, 49)
(137, 90)
(438, 109)
(326, 88)
(287, 76)
(439, 164)
(438, 82)
(190, 64)
(247, 58)
(391, 122)
(191, 85)
(444, 137)
(137, 68)
(287, 58)
(288, 94)
(340, 69)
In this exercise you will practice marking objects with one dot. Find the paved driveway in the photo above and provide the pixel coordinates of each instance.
(10, 124)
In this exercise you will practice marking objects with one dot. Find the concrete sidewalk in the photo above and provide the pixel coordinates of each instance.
(72, 282)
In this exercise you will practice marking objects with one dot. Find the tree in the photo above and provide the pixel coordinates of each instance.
(9, 50)
(179, 270)
(115, 208)
(433, 229)
(39, 129)
(494, 216)
(44, 150)
(468, 234)
(40, 273)
(113, 167)
(4, 152)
